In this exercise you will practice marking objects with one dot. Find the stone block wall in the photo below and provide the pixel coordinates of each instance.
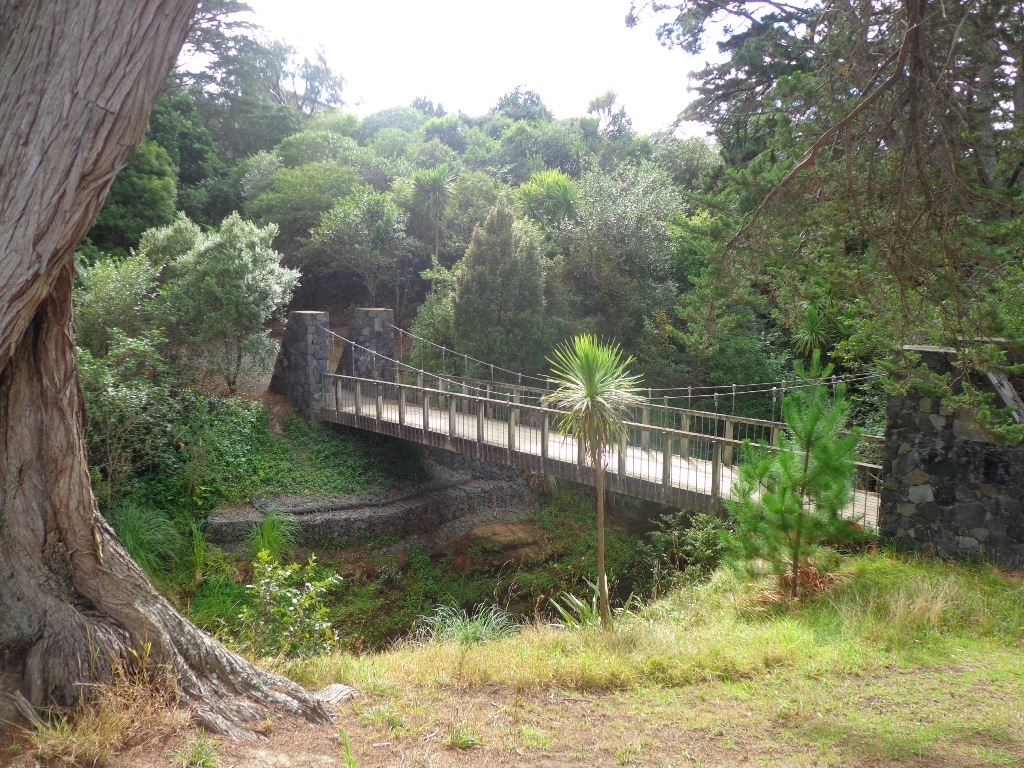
(947, 489)
(302, 359)
(372, 330)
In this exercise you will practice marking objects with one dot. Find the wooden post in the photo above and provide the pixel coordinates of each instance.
(666, 461)
(426, 414)
(581, 455)
(359, 398)
(645, 435)
(545, 429)
(511, 430)
(716, 477)
(451, 417)
(727, 450)
(379, 401)
(684, 443)
(776, 435)
(481, 408)
(401, 406)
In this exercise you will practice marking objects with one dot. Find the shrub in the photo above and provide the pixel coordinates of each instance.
(683, 544)
(789, 501)
(288, 616)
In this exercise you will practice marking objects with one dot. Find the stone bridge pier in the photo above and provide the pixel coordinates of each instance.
(948, 488)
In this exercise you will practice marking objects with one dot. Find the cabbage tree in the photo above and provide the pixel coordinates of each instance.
(594, 392)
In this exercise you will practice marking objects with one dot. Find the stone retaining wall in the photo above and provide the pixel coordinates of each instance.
(411, 511)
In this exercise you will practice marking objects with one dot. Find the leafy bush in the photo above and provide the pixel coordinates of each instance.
(288, 616)
(682, 544)
(789, 502)
(129, 411)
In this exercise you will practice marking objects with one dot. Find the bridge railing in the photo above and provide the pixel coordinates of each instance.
(657, 413)
(700, 458)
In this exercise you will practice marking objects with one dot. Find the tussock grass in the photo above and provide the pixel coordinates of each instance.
(884, 609)
(130, 714)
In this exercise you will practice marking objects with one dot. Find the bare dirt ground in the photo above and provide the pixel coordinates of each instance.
(860, 721)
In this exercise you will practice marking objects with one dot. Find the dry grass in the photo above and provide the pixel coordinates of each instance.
(132, 714)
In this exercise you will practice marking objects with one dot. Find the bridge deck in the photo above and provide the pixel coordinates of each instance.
(693, 475)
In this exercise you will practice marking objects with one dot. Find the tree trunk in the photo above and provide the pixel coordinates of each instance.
(602, 576)
(77, 81)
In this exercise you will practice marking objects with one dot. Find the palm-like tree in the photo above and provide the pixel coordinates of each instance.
(595, 391)
(432, 189)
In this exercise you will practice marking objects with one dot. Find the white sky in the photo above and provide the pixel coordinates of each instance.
(466, 53)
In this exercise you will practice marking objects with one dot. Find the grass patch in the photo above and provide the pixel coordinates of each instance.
(886, 610)
(902, 662)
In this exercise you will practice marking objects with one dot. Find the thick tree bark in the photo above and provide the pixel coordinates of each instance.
(77, 81)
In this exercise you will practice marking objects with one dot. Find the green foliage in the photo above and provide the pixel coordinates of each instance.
(450, 623)
(789, 502)
(296, 198)
(577, 613)
(288, 616)
(222, 292)
(148, 534)
(198, 752)
(274, 534)
(549, 197)
(142, 197)
(364, 233)
(519, 104)
(218, 602)
(498, 302)
(115, 295)
(594, 391)
(617, 251)
(129, 412)
(313, 146)
(431, 192)
(461, 736)
(684, 545)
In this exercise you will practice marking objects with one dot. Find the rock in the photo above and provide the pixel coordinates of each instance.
(969, 544)
(916, 477)
(988, 490)
(921, 494)
(336, 694)
(969, 516)
(906, 510)
(979, 533)
(905, 463)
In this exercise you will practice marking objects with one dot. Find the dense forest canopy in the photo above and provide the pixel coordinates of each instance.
(862, 190)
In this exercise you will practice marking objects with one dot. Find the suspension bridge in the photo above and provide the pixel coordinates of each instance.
(675, 452)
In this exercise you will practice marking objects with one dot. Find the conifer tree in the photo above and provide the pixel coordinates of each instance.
(789, 501)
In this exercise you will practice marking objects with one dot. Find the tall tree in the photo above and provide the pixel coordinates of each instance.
(498, 306)
(77, 80)
(364, 233)
(886, 167)
(596, 391)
